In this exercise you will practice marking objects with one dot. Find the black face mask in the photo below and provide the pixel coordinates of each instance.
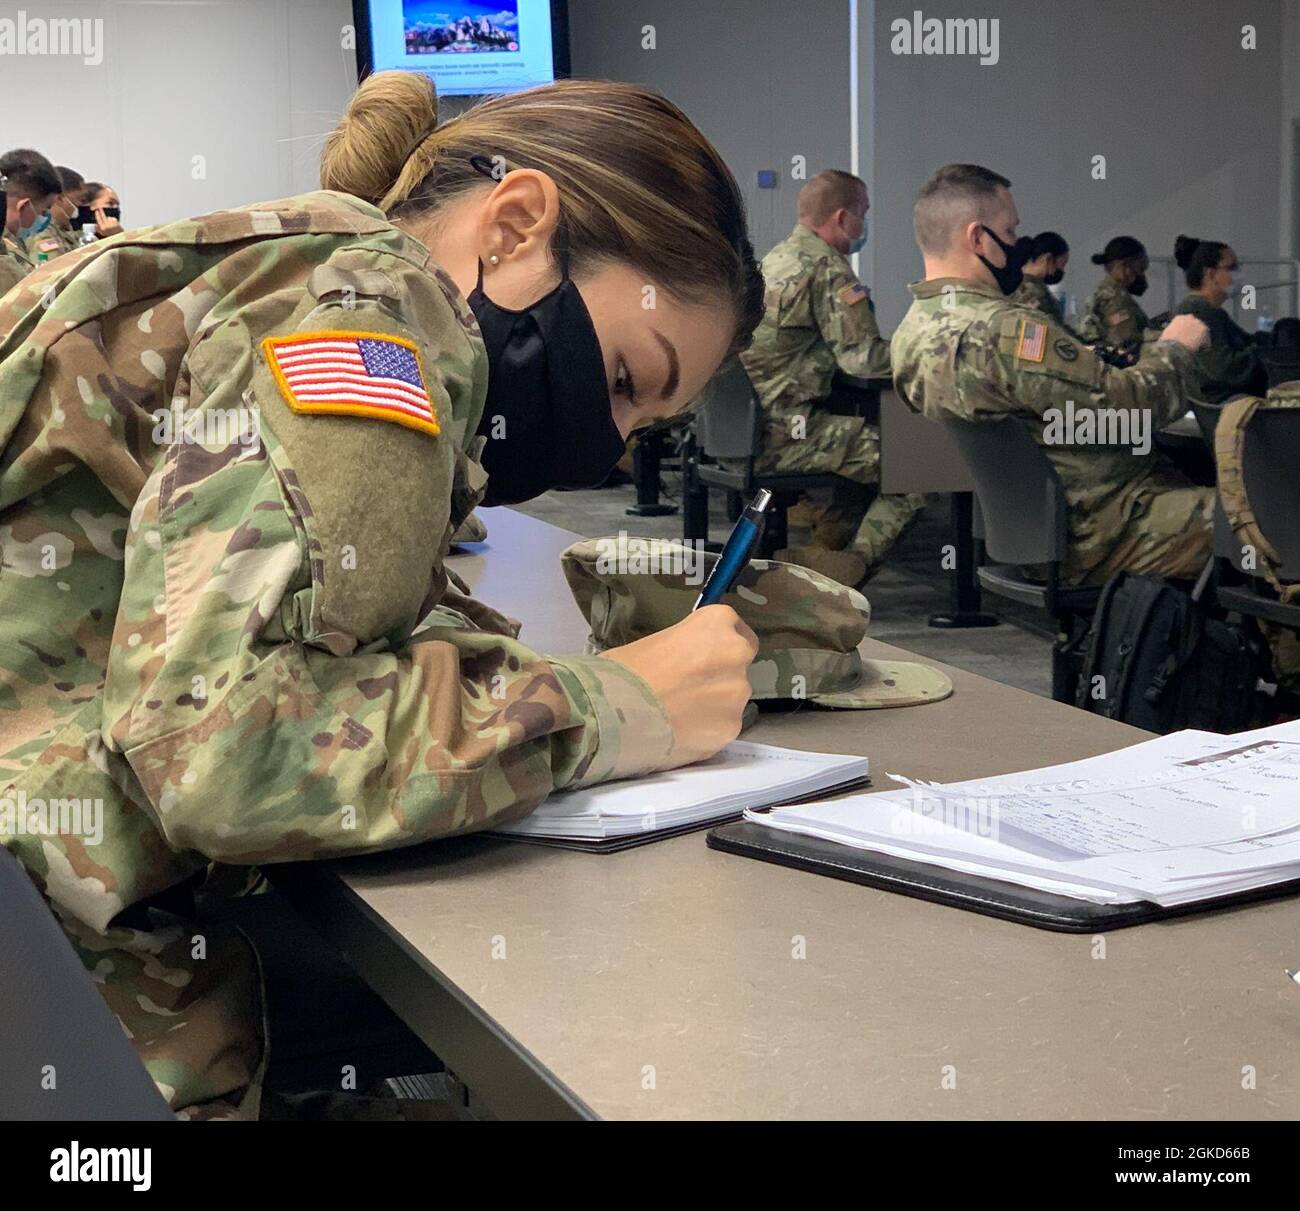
(1055, 276)
(547, 419)
(1010, 275)
(1138, 286)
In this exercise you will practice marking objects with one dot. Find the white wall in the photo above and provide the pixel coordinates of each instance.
(1189, 122)
(1198, 133)
(766, 80)
(253, 86)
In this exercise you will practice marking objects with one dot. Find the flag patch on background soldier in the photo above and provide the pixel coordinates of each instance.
(352, 374)
(854, 293)
(1033, 341)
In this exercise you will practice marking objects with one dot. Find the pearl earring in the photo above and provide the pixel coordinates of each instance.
(494, 259)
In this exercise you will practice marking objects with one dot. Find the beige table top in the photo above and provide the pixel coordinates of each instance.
(662, 982)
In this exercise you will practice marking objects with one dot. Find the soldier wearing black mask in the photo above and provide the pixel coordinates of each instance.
(1112, 316)
(1048, 254)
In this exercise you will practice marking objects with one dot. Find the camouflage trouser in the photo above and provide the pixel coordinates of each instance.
(1171, 536)
(212, 1066)
(1285, 646)
(849, 447)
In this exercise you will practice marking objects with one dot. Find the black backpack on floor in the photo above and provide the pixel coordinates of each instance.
(1158, 661)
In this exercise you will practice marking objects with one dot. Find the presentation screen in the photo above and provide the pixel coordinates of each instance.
(468, 49)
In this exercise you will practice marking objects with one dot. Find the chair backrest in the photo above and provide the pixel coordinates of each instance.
(916, 455)
(1270, 457)
(58, 1030)
(728, 422)
(1021, 514)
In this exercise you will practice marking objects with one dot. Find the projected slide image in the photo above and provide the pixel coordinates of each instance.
(449, 27)
(467, 48)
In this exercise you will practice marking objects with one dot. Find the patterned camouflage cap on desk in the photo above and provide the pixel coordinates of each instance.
(808, 626)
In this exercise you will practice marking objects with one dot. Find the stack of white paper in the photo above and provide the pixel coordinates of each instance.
(741, 775)
(1184, 818)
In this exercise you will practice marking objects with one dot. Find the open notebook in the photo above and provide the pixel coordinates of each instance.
(742, 775)
(1183, 819)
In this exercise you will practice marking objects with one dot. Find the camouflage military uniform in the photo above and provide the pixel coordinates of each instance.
(820, 318)
(53, 241)
(966, 351)
(1033, 292)
(233, 626)
(14, 263)
(1112, 316)
(809, 627)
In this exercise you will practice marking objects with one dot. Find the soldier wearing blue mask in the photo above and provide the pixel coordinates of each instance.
(819, 320)
(30, 184)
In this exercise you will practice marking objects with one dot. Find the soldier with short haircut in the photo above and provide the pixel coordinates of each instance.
(235, 450)
(965, 349)
(60, 236)
(818, 318)
(31, 185)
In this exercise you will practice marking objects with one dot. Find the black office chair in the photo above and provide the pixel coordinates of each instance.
(1270, 455)
(1020, 514)
(729, 430)
(320, 1013)
(58, 1031)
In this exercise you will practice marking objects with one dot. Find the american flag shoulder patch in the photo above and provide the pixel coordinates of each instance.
(1033, 341)
(853, 293)
(368, 374)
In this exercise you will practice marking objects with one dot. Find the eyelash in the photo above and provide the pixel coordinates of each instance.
(624, 376)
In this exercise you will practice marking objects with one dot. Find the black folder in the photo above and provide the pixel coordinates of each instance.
(977, 893)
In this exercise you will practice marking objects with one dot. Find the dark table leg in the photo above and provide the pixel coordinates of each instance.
(645, 474)
(695, 495)
(962, 583)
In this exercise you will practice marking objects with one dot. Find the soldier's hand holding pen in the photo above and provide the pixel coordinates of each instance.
(698, 669)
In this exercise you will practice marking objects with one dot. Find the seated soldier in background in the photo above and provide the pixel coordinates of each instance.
(1228, 364)
(1112, 316)
(818, 319)
(1048, 255)
(31, 184)
(60, 236)
(105, 208)
(966, 350)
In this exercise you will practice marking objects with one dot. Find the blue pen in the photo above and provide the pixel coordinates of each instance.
(735, 555)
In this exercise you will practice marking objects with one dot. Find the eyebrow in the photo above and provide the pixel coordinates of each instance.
(674, 369)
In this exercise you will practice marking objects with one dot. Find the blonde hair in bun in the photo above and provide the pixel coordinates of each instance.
(381, 148)
(639, 184)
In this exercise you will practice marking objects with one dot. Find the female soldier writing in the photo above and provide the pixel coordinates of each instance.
(234, 451)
